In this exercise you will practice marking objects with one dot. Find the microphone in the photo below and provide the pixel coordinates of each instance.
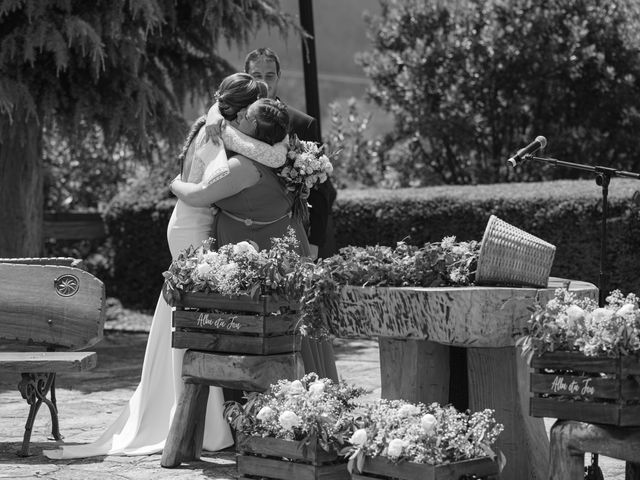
(537, 144)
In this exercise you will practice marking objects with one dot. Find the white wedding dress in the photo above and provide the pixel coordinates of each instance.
(143, 425)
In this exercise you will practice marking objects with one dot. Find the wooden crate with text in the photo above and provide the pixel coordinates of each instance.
(261, 325)
(572, 386)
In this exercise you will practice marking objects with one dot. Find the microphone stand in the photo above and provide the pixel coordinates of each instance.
(603, 178)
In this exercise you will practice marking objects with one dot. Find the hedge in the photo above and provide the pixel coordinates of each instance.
(565, 213)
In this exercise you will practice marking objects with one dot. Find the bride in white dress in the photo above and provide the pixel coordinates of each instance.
(143, 425)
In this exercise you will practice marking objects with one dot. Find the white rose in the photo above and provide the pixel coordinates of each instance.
(288, 420)
(626, 309)
(395, 447)
(316, 388)
(574, 315)
(203, 270)
(359, 437)
(243, 248)
(601, 315)
(296, 388)
(428, 423)
(408, 410)
(265, 413)
(210, 257)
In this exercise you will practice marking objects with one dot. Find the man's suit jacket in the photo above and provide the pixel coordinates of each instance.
(321, 198)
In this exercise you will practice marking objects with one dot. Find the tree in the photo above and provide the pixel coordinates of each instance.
(127, 66)
(471, 81)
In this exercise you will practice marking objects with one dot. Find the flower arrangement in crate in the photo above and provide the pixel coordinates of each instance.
(237, 299)
(397, 439)
(237, 269)
(585, 358)
(445, 263)
(303, 422)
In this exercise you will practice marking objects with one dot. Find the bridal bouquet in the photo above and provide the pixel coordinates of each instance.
(298, 410)
(570, 323)
(237, 269)
(419, 433)
(307, 165)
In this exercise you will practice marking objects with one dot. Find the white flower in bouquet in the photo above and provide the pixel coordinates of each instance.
(428, 423)
(601, 315)
(408, 410)
(296, 388)
(203, 271)
(244, 248)
(575, 316)
(316, 388)
(265, 414)
(626, 309)
(211, 257)
(395, 448)
(359, 437)
(289, 420)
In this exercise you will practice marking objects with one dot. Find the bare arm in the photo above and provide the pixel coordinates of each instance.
(242, 174)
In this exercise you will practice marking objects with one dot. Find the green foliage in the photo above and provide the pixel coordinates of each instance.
(471, 81)
(565, 213)
(126, 66)
(84, 174)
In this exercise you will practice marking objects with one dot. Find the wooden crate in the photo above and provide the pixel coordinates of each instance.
(379, 468)
(572, 386)
(259, 325)
(264, 458)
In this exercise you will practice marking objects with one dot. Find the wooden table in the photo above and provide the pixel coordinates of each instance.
(417, 326)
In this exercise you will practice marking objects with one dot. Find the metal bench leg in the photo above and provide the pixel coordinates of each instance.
(53, 409)
(34, 388)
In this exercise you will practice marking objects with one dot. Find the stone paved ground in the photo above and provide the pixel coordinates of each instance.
(90, 401)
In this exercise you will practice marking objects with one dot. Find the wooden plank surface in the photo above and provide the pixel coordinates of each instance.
(34, 309)
(32, 362)
(253, 373)
(587, 387)
(458, 316)
(236, 343)
(605, 413)
(498, 379)
(73, 226)
(284, 470)
(238, 303)
(235, 323)
(278, 447)
(416, 471)
(575, 361)
(408, 355)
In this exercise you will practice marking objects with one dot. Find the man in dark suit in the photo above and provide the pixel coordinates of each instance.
(263, 64)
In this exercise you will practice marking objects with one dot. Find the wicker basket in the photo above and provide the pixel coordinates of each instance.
(512, 257)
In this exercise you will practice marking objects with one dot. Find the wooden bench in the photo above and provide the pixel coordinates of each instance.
(570, 440)
(50, 308)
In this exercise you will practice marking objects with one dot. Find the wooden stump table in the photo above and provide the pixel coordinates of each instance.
(417, 326)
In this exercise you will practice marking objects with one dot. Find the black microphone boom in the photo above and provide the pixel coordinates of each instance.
(537, 144)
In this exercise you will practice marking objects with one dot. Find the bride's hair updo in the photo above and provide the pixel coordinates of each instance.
(238, 91)
(271, 120)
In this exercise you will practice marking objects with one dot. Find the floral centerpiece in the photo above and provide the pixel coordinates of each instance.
(399, 432)
(445, 263)
(298, 410)
(238, 269)
(570, 323)
(585, 359)
(307, 165)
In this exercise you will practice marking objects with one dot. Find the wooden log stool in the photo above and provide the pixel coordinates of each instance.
(253, 373)
(570, 440)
